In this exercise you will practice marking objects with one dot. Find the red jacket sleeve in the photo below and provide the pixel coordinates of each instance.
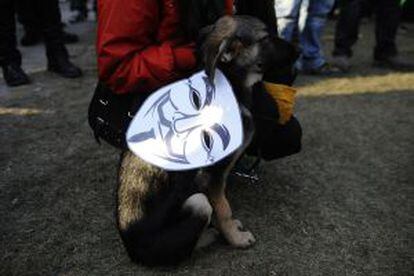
(129, 56)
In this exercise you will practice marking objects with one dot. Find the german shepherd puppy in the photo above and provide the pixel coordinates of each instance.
(163, 215)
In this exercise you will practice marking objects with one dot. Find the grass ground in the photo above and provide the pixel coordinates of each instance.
(343, 206)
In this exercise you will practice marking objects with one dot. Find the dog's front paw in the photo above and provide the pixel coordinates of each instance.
(232, 231)
(243, 239)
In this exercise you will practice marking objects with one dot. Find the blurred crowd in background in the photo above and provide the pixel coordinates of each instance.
(300, 21)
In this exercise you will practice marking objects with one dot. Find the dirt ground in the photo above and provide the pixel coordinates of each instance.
(343, 206)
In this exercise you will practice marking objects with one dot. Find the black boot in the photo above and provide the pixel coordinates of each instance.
(14, 75)
(60, 64)
(56, 52)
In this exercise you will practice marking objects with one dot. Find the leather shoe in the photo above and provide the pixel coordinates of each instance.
(325, 69)
(61, 65)
(14, 75)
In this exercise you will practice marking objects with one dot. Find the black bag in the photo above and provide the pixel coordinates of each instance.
(272, 140)
(109, 114)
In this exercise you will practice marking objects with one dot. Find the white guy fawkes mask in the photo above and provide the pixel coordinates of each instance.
(187, 124)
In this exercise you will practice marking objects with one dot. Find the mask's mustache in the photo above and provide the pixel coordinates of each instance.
(207, 117)
(186, 123)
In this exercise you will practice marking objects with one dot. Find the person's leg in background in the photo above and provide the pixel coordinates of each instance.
(346, 32)
(312, 60)
(287, 12)
(49, 16)
(387, 21)
(26, 14)
(388, 13)
(27, 17)
(10, 57)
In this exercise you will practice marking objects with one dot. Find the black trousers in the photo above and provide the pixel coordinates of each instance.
(26, 15)
(49, 19)
(386, 25)
(8, 43)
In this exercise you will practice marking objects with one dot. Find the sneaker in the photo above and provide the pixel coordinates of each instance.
(325, 69)
(341, 62)
(394, 63)
(14, 75)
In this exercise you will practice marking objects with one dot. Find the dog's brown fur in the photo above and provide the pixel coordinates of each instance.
(139, 179)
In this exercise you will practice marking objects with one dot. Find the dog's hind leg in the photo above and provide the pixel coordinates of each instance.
(160, 215)
(208, 236)
(152, 242)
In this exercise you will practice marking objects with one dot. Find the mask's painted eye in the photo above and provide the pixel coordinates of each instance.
(195, 98)
(207, 140)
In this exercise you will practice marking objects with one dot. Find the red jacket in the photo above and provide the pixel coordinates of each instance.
(137, 46)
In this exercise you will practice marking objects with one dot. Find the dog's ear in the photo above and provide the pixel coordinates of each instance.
(219, 44)
(224, 51)
(211, 57)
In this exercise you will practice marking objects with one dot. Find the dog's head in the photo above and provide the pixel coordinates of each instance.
(243, 49)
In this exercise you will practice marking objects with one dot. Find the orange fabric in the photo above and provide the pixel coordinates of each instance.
(284, 96)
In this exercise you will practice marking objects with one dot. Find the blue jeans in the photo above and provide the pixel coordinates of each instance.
(307, 19)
